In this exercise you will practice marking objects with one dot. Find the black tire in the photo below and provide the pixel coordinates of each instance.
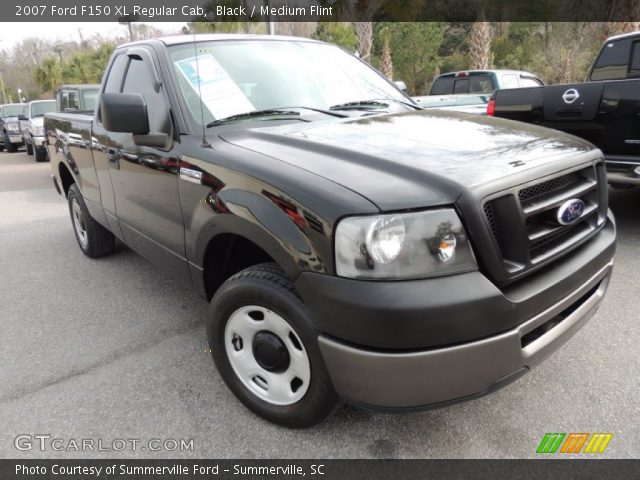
(11, 148)
(266, 285)
(2, 147)
(97, 241)
(30, 149)
(41, 155)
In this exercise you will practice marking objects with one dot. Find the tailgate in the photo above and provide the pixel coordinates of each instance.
(577, 102)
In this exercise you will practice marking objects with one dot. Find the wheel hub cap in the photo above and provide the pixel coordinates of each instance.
(270, 352)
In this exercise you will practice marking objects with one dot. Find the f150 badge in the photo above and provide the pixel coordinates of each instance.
(570, 211)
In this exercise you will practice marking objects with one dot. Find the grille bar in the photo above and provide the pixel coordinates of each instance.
(523, 220)
(546, 202)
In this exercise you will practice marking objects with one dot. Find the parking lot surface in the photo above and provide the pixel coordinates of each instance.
(114, 349)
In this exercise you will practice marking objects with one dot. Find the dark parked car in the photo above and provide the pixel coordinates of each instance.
(10, 134)
(604, 110)
(352, 247)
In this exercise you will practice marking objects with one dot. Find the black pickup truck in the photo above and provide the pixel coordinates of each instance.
(351, 245)
(604, 110)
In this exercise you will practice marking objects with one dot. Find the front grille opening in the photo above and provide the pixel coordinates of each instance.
(549, 186)
(546, 327)
(545, 245)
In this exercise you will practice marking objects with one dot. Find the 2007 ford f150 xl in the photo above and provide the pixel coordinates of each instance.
(352, 245)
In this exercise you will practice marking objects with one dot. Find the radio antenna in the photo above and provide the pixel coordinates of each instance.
(205, 142)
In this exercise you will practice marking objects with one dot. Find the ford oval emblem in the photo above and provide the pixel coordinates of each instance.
(570, 211)
(570, 96)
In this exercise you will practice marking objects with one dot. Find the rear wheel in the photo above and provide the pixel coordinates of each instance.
(266, 348)
(94, 240)
(30, 149)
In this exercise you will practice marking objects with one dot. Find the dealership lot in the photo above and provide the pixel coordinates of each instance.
(114, 349)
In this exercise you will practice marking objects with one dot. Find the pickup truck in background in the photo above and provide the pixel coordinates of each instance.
(351, 245)
(10, 136)
(32, 127)
(77, 98)
(469, 91)
(604, 110)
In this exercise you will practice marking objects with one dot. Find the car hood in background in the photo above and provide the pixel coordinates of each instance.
(411, 159)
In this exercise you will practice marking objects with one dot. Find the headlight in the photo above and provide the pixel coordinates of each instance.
(37, 131)
(13, 127)
(403, 246)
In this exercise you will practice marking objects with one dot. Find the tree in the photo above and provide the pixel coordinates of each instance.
(386, 62)
(479, 42)
(339, 33)
(48, 75)
(414, 47)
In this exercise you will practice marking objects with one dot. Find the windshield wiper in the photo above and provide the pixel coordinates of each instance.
(360, 105)
(270, 112)
(375, 103)
(320, 110)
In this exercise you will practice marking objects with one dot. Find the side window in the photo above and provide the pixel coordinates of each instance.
(613, 62)
(461, 86)
(530, 82)
(116, 74)
(64, 100)
(139, 79)
(634, 65)
(509, 81)
(73, 102)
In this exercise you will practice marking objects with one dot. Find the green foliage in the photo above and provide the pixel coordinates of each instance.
(338, 33)
(414, 50)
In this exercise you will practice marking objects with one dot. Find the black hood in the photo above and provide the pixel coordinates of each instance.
(413, 159)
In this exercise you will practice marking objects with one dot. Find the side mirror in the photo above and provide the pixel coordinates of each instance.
(401, 85)
(124, 113)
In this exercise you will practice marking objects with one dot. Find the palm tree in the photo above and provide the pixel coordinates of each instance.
(48, 75)
(386, 62)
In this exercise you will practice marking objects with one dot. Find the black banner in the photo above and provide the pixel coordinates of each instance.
(319, 10)
(319, 469)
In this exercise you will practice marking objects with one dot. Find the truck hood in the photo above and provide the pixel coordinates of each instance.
(37, 121)
(412, 159)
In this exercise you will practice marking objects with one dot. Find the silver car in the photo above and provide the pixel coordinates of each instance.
(33, 127)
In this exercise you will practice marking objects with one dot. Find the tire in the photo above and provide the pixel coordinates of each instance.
(11, 148)
(299, 394)
(41, 154)
(2, 147)
(93, 239)
(30, 149)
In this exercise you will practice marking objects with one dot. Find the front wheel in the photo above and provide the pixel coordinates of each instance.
(30, 149)
(266, 348)
(11, 148)
(41, 154)
(94, 240)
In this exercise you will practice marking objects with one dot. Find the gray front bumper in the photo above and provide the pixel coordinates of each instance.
(442, 375)
(17, 138)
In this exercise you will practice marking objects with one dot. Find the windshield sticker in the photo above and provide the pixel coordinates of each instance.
(218, 91)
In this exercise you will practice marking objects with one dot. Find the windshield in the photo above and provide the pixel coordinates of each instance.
(234, 77)
(12, 110)
(89, 97)
(38, 109)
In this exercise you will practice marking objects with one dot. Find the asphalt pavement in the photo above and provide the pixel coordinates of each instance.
(113, 349)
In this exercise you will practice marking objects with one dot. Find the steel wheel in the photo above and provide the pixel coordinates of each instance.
(267, 355)
(79, 223)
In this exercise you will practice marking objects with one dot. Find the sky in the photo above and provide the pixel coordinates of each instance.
(12, 33)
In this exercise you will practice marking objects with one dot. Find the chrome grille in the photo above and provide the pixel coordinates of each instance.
(523, 221)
